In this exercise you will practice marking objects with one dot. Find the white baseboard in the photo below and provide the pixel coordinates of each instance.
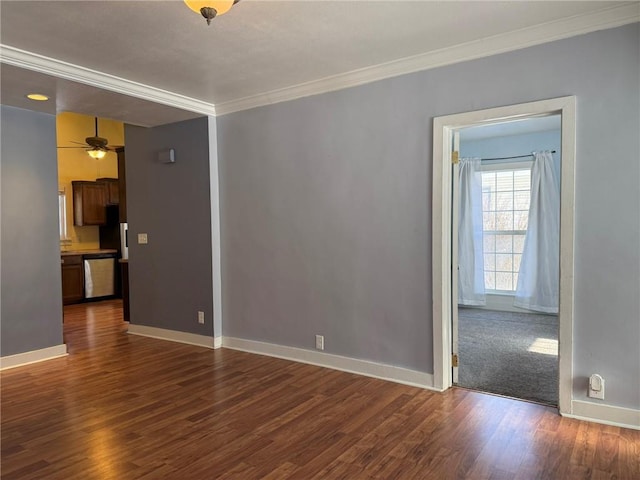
(174, 336)
(335, 362)
(20, 359)
(606, 414)
(500, 303)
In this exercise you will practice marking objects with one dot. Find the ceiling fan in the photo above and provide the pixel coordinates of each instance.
(97, 147)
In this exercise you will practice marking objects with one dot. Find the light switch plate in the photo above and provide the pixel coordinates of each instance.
(142, 239)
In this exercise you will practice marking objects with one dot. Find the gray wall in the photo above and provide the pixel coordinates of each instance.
(170, 277)
(510, 145)
(326, 207)
(31, 297)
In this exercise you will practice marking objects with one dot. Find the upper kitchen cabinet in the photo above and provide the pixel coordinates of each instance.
(111, 186)
(89, 200)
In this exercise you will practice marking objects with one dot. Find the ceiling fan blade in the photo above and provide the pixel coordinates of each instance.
(113, 148)
(94, 142)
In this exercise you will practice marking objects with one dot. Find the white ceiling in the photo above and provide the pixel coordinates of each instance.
(257, 48)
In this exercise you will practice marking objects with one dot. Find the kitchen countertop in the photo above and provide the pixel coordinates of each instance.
(65, 253)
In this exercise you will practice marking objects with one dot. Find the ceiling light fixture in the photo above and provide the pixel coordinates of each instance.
(38, 97)
(210, 9)
(96, 153)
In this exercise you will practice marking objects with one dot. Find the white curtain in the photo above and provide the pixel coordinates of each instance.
(470, 257)
(538, 279)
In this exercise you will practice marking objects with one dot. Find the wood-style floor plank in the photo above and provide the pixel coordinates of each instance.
(129, 407)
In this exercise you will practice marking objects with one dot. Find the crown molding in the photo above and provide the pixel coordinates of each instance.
(526, 37)
(485, 47)
(68, 71)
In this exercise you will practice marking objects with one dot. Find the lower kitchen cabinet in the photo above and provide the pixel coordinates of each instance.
(72, 279)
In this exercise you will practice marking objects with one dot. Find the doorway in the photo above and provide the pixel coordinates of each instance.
(91, 209)
(504, 317)
(443, 247)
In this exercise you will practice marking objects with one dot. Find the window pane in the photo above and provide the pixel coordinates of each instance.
(504, 201)
(489, 243)
(489, 221)
(504, 281)
(521, 200)
(488, 201)
(504, 181)
(520, 220)
(62, 215)
(522, 180)
(517, 258)
(490, 280)
(489, 180)
(518, 243)
(504, 220)
(489, 262)
(506, 198)
(504, 262)
(504, 243)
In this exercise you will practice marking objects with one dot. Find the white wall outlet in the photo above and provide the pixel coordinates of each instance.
(200, 317)
(143, 239)
(596, 386)
(319, 342)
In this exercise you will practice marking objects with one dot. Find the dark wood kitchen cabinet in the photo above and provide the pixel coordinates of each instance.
(111, 186)
(89, 200)
(72, 279)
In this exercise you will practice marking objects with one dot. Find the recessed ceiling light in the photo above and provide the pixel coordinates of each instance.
(38, 97)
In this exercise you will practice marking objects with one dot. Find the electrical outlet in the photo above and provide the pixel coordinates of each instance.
(143, 239)
(596, 387)
(319, 342)
(200, 317)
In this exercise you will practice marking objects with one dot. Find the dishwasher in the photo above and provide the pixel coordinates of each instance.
(99, 275)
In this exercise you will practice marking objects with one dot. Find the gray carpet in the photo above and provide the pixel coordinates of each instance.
(495, 356)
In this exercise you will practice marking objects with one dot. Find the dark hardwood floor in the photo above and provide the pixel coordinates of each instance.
(128, 407)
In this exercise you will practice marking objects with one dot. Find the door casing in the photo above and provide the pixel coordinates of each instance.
(442, 254)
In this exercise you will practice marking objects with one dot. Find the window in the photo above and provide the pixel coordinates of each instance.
(506, 194)
(62, 214)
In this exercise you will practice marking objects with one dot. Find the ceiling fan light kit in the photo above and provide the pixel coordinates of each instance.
(96, 153)
(97, 146)
(210, 9)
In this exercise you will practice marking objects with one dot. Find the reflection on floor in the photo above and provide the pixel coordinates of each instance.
(512, 354)
(134, 408)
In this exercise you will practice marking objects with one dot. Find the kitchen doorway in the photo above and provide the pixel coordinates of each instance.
(91, 209)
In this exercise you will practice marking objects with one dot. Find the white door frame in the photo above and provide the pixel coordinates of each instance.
(455, 219)
(443, 128)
